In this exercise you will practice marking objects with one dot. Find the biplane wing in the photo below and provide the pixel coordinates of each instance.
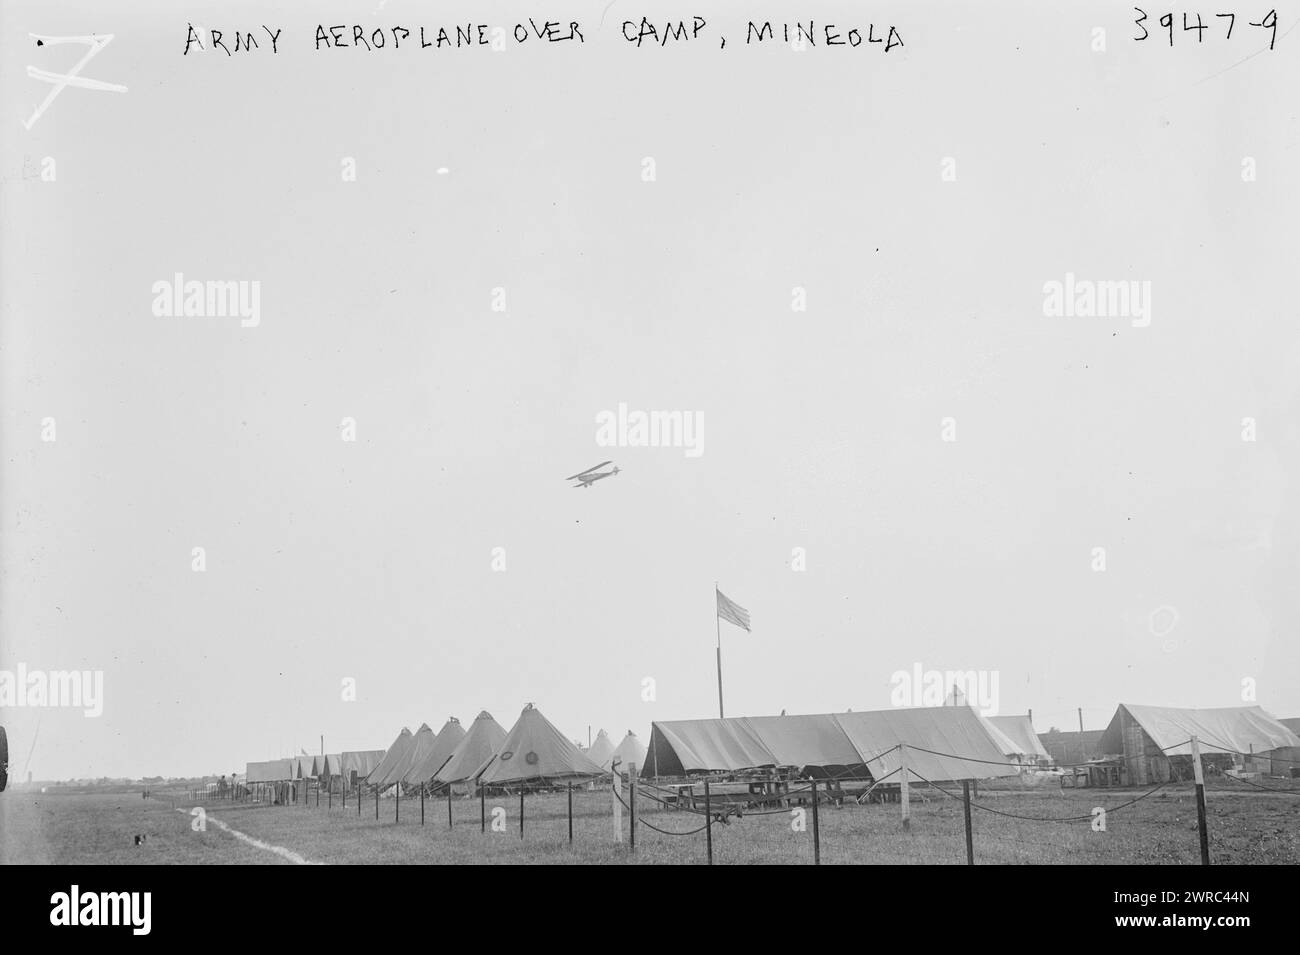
(581, 474)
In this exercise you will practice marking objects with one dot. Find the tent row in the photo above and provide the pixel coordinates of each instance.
(1142, 744)
(533, 752)
(629, 752)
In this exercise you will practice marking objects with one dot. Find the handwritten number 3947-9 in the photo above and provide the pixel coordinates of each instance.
(1268, 22)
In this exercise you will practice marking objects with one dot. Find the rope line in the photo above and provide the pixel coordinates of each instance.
(1065, 819)
(1267, 789)
(1228, 749)
(651, 825)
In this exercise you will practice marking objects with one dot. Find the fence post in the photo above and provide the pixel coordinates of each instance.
(1200, 801)
(970, 842)
(617, 790)
(421, 803)
(631, 790)
(482, 808)
(708, 822)
(817, 833)
(904, 795)
(570, 812)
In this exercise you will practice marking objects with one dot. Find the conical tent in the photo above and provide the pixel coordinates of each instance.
(480, 744)
(630, 752)
(386, 773)
(423, 741)
(429, 760)
(602, 750)
(535, 751)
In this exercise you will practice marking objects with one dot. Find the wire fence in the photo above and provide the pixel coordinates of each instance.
(897, 818)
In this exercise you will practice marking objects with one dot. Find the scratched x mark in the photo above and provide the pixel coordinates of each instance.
(62, 81)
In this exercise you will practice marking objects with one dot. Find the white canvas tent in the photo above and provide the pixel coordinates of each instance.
(602, 750)
(534, 751)
(386, 773)
(1022, 742)
(479, 746)
(1151, 739)
(270, 771)
(630, 752)
(427, 761)
(864, 743)
(418, 745)
(358, 764)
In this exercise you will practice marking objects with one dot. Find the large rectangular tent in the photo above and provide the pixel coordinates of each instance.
(944, 743)
(270, 771)
(356, 765)
(1155, 741)
(271, 777)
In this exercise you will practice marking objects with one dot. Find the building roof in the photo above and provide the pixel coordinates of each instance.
(1072, 746)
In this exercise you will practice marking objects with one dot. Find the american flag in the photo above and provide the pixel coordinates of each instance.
(732, 612)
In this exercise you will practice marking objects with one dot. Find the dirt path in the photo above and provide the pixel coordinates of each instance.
(281, 851)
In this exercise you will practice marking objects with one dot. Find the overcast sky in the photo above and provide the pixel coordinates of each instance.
(774, 170)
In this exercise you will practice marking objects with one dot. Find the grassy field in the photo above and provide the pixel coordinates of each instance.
(1246, 827)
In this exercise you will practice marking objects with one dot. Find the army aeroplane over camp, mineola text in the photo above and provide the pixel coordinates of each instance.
(590, 476)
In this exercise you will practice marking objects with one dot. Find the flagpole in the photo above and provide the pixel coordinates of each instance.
(718, 623)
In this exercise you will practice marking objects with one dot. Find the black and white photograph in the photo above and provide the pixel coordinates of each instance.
(784, 433)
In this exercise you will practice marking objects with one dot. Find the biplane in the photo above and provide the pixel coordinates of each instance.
(590, 476)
